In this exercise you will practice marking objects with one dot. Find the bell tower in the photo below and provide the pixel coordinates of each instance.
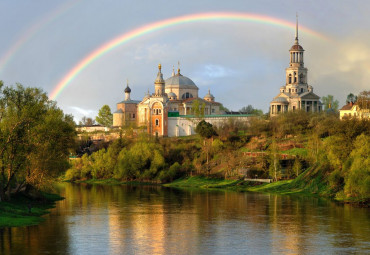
(159, 83)
(296, 73)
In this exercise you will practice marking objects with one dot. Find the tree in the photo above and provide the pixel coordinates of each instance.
(363, 99)
(330, 102)
(105, 116)
(85, 121)
(351, 98)
(35, 137)
(198, 108)
(223, 108)
(275, 166)
(205, 129)
(250, 110)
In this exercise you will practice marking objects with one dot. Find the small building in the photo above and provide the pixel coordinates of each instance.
(352, 110)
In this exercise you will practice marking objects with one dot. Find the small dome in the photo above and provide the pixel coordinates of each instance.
(296, 47)
(209, 96)
(181, 81)
(127, 89)
(172, 95)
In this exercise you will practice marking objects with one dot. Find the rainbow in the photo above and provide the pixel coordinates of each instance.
(150, 28)
(32, 31)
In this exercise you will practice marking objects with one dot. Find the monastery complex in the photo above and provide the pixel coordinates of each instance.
(169, 111)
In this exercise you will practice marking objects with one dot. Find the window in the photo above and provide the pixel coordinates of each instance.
(295, 77)
(133, 115)
(187, 95)
(290, 78)
(159, 111)
(301, 78)
(301, 90)
(213, 110)
(157, 122)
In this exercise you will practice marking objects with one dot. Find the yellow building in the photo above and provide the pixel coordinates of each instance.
(352, 110)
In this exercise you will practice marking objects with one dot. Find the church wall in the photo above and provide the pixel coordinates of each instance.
(182, 126)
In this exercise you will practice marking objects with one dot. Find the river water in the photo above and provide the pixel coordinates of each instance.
(96, 219)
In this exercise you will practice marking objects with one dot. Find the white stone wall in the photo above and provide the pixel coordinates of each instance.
(182, 126)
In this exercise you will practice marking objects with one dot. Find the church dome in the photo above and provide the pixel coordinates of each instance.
(181, 81)
(127, 89)
(172, 96)
(296, 47)
(209, 96)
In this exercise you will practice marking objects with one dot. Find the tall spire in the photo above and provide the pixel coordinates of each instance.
(296, 29)
(173, 70)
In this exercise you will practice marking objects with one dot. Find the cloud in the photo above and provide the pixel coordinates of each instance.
(80, 112)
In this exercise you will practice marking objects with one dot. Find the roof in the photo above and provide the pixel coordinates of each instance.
(180, 81)
(296, 47)
(280, 100)
(127, 89)
(129, 102)
(309, 95)
(119, 111)
(347, 107)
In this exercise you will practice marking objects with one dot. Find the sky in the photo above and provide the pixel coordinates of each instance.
(242, 62)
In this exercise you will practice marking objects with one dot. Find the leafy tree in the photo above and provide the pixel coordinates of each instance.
(363, 99)
(275, 167)
(250, 110)
(105, 116)
(223, 108)
(351, 98)
(330, 102)
(85, 121)
(358, 178)
(205, 129)
(198, 108)
(35, 137)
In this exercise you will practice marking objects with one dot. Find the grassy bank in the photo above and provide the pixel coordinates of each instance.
(112, 181)
(17, 212)
(203, 183)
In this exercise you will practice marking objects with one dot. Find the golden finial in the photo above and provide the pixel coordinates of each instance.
(159, 66)
(178, 67)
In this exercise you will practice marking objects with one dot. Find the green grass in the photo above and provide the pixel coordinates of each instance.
(113, 181)
(202, 182)
(15, 213)
(296, 151)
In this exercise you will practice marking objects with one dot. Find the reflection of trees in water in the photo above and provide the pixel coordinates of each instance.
(154, 219)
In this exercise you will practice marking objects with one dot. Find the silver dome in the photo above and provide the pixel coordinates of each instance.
(180, 81)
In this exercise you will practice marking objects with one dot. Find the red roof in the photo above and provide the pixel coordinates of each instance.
(348, 106)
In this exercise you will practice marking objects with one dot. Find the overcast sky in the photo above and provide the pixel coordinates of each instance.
(241, 62)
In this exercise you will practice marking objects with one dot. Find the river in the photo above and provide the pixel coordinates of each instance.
(95, 219)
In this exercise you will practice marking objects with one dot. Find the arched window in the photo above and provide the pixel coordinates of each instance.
(187, 95)
(301, 78)
(290, 78)
(301, 90)
(295, 77)
(157, 122)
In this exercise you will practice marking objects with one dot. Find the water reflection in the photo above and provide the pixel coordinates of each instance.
(155, 220)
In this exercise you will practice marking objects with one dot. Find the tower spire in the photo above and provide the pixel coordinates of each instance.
(296, 29)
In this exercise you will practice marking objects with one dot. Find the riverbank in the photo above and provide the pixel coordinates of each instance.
(24, 211)
(315, 187)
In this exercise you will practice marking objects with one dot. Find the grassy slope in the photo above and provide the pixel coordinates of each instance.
(310, 182)
(15, 213)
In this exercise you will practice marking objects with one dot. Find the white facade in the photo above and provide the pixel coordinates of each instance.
(184, 126)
